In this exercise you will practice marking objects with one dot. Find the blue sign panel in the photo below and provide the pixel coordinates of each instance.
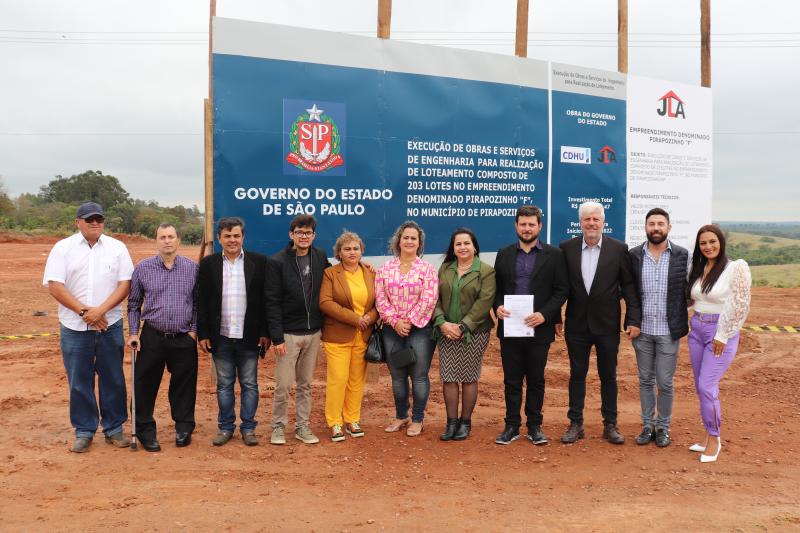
(589, 162)
(365, 149)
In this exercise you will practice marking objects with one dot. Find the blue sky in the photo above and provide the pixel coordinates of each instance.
(119, 86)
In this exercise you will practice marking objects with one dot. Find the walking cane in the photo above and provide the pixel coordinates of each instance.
(134, 353)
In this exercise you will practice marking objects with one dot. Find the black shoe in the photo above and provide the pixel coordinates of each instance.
(464, 427)
(662, 438)
(613, 436)
(536, 435)
(647, 436)
(450, 430)
(151, 445)
(573, 433)
(509, 435)
(183, 438)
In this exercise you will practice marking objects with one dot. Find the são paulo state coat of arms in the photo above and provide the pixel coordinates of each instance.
(314, 137)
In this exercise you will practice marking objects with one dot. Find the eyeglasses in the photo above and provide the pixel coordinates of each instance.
(95, 218)
(303, 233)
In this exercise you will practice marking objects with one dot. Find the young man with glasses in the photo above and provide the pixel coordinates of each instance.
(294, 277)
(89, 275)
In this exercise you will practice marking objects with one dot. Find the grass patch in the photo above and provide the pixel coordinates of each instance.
(776, 275)
(759, 241)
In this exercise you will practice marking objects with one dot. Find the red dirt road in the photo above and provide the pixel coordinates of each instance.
(392, 482)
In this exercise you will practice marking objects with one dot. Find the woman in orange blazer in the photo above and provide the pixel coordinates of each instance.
(347, 301)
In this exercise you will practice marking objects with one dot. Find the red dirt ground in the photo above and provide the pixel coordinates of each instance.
(389, 481)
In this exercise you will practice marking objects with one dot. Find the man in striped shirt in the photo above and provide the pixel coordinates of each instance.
(163, 295)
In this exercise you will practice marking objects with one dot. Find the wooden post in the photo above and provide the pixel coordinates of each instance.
(212, 13)
(384, 18)
(208, 131)
(208, 114)
(705, 43)
(208, 227)
(521, 46)
(622, 36)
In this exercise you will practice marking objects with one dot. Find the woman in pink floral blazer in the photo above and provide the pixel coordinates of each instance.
(406, 291)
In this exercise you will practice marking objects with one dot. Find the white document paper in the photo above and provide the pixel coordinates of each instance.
(520, 306)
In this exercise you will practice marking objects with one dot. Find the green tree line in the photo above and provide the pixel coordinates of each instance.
(764, 255)
(53, 208)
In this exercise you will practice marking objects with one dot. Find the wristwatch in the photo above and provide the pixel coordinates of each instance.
(463, 328)
(83, 312)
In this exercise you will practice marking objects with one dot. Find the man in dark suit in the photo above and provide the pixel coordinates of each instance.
(232, 326)
(528, 267)
(600, 273)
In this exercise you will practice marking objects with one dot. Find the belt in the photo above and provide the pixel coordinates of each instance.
(163, 333)
(706, 317)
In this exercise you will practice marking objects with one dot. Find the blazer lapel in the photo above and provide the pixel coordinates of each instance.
(341, 278)
(369, 278)
(510, 266)
(544, 256)
(470, 277)
(218, 272)
(575, 251)
(249, 270)
(602, 261)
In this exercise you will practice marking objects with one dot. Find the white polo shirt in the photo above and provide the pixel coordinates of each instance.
(90, 274)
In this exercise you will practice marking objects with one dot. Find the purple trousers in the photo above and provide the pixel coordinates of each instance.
(708, 369)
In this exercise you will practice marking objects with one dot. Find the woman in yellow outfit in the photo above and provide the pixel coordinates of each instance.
(347, 299)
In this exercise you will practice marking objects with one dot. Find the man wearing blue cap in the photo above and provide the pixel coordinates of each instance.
(89, 275)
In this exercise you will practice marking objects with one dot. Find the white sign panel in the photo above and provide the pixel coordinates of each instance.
(669, 141)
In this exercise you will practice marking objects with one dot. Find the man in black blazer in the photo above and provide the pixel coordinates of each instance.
(600, 274)
(232, 326)
(528, 267)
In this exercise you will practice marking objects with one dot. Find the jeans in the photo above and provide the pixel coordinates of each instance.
(656, 356)
(579, 345)
(709, 369)
(523, 359)
(85, 354)
(421, 340)
(232, 358)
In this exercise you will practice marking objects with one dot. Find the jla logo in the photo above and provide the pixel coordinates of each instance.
(607, 155)
(671, 106)
(315, 135)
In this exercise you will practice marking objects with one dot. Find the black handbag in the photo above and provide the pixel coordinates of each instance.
(375, 352)
(403, 357)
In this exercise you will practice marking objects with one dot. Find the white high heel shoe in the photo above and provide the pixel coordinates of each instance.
(697, 447)
(711, 458)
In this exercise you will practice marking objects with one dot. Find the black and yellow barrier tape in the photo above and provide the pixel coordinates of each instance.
(26, 336)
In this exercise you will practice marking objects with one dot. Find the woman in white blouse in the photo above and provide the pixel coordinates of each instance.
(719, 290)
